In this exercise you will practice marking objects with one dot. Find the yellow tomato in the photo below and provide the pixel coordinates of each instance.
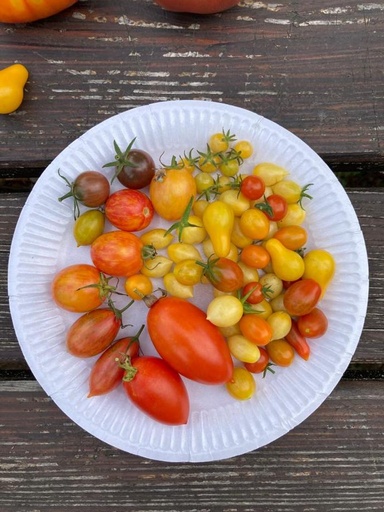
(225, 310)
(243, 349)
(238, 238)
(195, 233)
(218, 219)
(175, 288)
(157, 266)
(188, 272)
(281, 323)
(12, 82)
(244, 148)
(287, 265)
(157, 237)
(137, 286)
(209, 250)
(242, 386)
(180, 251)
(320, 266)
(295, 216)
(237, 201)
(270, 173)
(254, 224)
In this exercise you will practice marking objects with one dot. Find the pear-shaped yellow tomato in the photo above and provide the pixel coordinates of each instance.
(170, 192)
(25, 11)
(218, 220)
(12, 82)
(320, 266)
(288, 265)
(270, 173)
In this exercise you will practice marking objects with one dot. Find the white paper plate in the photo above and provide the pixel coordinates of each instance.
(219, 427)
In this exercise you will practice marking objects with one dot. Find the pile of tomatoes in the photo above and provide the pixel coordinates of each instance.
(239, 235)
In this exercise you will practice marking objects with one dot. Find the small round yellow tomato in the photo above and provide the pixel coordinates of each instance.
(243, 349)
(209, 163)
(254, 224)
(157, 266)
(223, 183)
(157, 237)
(270, 173)
(320, 266)
(237, 237)
(199, 206)
(195, 233)
(272, 283)
(244, 149)
(289, 189)
(229, 167)
(225, 310)
(175, 288)
(242, 386)
(281, 323)
(295, 216)
(203, 181)
(180, 251)
(218, 142)
(137, 286)
(188, 272)
(237, 201)
(230, 331)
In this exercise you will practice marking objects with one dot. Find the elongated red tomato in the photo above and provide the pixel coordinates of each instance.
(93, 332)
(298, 341)
(25, 11)
(157, 390)
(302, 296)
(191, 344)
(106, 373)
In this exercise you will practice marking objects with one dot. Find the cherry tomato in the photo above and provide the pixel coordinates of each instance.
(302, 296)
(93, 332)
(254, 224)
(275, 207)
(225, 310)
(73, 288)
(224, 274)
(255, 256)
(170, 192)
(256, 329)
(298, 341)
(106, 373)
(129, 210)
(252, 187)
(242, 385)
(261, 365)
(119, 253)
(26, 11)
(188, 272)
(88, 226)
(191, 344)
(281, 322)
(243, 349)
(180, 251)
(197, 6)
(157, 390)
(256, 290)
(280, 352)
(314, 324)
(158, 237)
(137, 286)
(244, 149)
(158, 266)
(90, 188)
(270, 173)
(135, 168)
(292, 237)
(175, 288)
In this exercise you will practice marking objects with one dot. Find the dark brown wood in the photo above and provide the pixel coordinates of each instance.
(332, 461)
(314, 68)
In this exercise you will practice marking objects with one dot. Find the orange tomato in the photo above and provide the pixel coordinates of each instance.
(255, 256)
(25, 11)
(170, 192)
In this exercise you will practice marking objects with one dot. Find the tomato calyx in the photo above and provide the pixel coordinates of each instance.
(151, 299)
(130, 370)
(148, 252)
(265, 207)
(119, 312)
(105, 289)
(304, 194)
(183, 222)
(121, 159)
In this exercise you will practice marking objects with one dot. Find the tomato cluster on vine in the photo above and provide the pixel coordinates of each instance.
(242, 235)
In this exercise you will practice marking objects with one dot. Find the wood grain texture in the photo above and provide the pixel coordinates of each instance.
(332, 461)
(368, 205)
(315, 69)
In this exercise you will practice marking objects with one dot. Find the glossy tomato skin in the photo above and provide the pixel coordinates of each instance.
(197, 6)
(129, 210)
(25, 11)
(224, 274)
(140, 171)
(158, 390)
(72, 288)
(91, 188)
(92, 333)
(106, 373)
(191, 344)
(117, 253)
(302, 296)
(298, 342)
(314, 324)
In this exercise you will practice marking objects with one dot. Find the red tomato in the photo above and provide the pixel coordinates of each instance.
(298, 341)
(256, 291)
(25, 11)
(191, 344)
(197, 6)
(129, 210)
(280, 352)
(313, 324)
(93, 332)
(256, 329)
(224, 274)
(73, 288)
(252, 187)
(106, 373)
(261, 365)
(275, 207)
(157, 390)
(118, 253)
(302, 296)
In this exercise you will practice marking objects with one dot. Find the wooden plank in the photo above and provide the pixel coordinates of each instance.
(368, 205)
(314, 69)
(332, 461)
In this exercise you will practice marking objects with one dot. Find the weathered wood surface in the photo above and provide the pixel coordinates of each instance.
(334, 461)
(313, 67)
